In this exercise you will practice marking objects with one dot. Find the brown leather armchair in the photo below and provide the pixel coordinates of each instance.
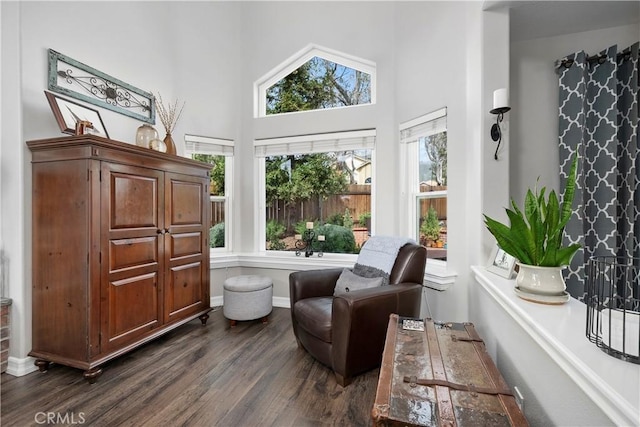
(347, 332)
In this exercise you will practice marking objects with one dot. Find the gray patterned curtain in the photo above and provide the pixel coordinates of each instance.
(599, 117)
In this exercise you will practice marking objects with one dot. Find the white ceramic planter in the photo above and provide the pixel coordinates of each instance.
(541, 284)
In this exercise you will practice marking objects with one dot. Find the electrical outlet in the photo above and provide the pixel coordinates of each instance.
(519, 398)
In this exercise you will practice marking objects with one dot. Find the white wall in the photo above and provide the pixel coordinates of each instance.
(178, 51)
(435, 69)
(428, 55)
(422, 65)
(274, 32)
(161, 47)
(12, 217)
(532, 147)
(534, 101)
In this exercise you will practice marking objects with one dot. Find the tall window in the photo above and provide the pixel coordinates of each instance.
(315, 78)
(219, 153)
(324, 180)
(424, 143)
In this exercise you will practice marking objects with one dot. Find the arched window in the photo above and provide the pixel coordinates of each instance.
(313, 79)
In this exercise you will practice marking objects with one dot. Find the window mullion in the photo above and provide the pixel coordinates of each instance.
(431, 194)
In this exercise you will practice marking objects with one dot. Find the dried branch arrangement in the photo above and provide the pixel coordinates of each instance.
(169, 115)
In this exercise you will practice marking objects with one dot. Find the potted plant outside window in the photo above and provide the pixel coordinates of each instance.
(431, 227)
(535, 238)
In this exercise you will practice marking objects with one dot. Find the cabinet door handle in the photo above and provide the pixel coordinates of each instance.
(160, 231)
(166, 230)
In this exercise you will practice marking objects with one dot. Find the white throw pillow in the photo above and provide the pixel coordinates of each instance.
(349, 282)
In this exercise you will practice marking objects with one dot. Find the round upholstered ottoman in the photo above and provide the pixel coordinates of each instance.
(247, 298)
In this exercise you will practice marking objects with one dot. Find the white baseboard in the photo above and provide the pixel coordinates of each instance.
(283, 302)
(215, 301)
(19, 367)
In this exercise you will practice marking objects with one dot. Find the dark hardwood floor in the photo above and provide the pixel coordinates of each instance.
(251, 375)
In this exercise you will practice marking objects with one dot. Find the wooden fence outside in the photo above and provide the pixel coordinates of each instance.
(217, 212)
(357, 198)
(439, 204)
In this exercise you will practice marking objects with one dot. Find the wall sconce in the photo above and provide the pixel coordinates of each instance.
(500, 106)
(306, 240)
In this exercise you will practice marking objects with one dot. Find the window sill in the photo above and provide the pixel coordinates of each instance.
(437, 277)
(282, 261)
(436, 274)
(611, 383)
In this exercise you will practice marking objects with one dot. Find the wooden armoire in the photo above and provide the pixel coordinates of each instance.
(120, 248)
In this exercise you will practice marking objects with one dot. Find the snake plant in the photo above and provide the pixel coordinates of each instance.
(534, 237)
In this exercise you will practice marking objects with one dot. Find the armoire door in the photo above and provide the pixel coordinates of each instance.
(131, 253)
(186, 245)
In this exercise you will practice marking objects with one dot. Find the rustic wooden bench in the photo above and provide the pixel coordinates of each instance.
(440, 374)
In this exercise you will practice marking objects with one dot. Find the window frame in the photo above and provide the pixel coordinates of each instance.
(410, 133)
(318, 143)
(195, 144)
(262, 85)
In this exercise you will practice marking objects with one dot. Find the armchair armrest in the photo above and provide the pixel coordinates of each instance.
(312, 283)
(359, 324)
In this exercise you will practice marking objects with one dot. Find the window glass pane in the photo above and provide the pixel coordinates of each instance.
(433, 160)
(331, 190)
(319, 84)
(432, 194)
(217, 196)
(216, 187)
(432, 225)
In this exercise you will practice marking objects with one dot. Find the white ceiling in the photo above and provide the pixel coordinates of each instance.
(536, 19)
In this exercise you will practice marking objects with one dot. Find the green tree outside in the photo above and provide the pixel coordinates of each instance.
(436, 148)
(217, 171)
(319, 84)
(296, 178)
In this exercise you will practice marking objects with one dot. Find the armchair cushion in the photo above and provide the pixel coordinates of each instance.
(314, 316)
(348, 281)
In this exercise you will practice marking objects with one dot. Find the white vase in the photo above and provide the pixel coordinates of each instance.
(547, 282)
(145, 134)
